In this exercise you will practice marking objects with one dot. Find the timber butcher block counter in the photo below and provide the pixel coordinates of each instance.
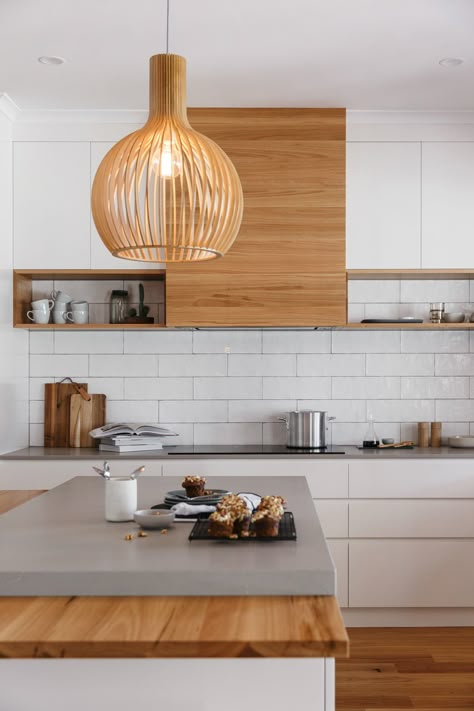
(214, 599)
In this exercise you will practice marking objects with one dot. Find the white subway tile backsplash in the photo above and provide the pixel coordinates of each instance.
(275, 433)
(387, 311)
(297, 341)
(227, 388)
(353, 433)
(228, 433)
(401, 410)
(59, 366)
(161, 341)
(112, 388)
(437, 387)
(450, 429)
(326, 364)
(428, 290)
(36, 435)
(194, 411)
(88, 342)
(41, 289)
(454, 410)
(130, 366)
(95, 292)
(158, 388)
(41, 341)
(37, 387)
(132, 411)
(154, 291)
(262, 364)
(373, 291)
(36, 411)
(259, 410)
(342, 410)
(366, 341)
(403, 364)
(435, 341)
(191, 365)
(296, 388)
(227, 341)
(184, 431)
(361, 388)
(355, 313)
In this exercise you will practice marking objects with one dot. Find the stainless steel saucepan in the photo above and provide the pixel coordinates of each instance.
(306, 429)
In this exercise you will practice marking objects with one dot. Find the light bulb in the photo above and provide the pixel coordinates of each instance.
(167, 161)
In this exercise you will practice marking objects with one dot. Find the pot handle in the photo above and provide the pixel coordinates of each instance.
(285, 420)
(331, 418)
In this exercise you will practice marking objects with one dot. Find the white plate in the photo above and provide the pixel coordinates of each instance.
(461, 442)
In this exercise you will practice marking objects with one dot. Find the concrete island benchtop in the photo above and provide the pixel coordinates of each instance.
(250, 607)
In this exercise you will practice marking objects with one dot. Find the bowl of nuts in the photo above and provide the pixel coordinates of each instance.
(154, 518)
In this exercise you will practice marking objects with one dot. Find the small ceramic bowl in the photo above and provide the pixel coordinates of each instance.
(454, 317)
(154, 518)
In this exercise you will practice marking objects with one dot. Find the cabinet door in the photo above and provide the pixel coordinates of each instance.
(340, 554)
(51, 205)
(392, 573)
(287, 266)
(100, 255)
(383, 206)
(448, 207)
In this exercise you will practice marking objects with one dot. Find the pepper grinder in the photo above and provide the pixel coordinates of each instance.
(436, 434)
(423, 434)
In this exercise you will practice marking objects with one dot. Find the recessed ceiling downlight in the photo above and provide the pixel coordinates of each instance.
(51, 61)
(451, 62)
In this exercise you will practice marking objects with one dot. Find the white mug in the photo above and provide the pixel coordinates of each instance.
(39, 316)
(59, 315)
(78, 316)
(61, 297)
(42, 305)
(120, 499)
(79, 306)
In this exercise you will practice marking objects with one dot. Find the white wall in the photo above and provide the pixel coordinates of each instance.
(13, 344)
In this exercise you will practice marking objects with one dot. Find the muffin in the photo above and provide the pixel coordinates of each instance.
(194, 486)
(266, 522)
(237, 508)
(221, 524)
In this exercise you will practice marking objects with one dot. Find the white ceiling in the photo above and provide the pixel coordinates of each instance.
(359, 54)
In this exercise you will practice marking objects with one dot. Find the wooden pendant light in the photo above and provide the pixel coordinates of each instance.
(166, 193)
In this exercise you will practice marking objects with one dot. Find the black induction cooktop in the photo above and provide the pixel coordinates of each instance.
(243, 449)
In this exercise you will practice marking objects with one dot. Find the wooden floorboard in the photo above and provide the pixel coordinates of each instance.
(392, 669)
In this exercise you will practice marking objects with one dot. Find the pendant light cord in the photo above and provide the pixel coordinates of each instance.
(167, 25)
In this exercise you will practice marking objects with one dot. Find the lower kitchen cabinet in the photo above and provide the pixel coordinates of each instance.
(415, 573)
(340, 554)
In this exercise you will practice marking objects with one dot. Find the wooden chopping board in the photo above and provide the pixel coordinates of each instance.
(85, 415)
(57, 412)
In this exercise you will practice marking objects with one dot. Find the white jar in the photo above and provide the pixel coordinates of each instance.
(120, 499)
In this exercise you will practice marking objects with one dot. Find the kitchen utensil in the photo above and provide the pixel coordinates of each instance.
(370, 437)
(154, 518)
(306, 428)
(38, 316)
(397, 445)
(436, 312)
(120, 498)
(57, 411)
(461, 441)
(423, 434)
(84, 417)
(454, 317)
(104, 473)
(137, 472)
(436, 434)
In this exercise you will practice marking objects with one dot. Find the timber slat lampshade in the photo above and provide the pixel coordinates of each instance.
(166, 193)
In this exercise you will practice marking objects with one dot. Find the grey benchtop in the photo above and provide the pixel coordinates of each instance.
(60, 544)
(232, 451)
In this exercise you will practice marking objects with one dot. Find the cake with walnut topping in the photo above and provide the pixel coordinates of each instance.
(194, 486)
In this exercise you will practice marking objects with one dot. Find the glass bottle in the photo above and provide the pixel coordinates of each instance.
(118, 306)
(370, 437)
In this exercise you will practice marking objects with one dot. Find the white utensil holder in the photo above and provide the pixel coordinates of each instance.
(120, 499)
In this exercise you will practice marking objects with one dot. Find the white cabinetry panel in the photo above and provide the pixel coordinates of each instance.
(100, 255)
(340, 554)
(411, 519)
(326, 480)
(409, 478)
(383, 208)
(411, 573)
(448, 207)
(51, 205)
(334, 518)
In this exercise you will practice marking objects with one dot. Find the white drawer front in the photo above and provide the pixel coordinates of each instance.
(408, 478)
(327, 480)
(334, 517)
(340, 554)
(411, 573)
(411, 519)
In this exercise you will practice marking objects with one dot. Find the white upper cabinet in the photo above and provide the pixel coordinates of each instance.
(100, 255)
(383, 215)
(51, 205)
(448, 205)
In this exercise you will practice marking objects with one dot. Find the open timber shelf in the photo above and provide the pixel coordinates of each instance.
(23, 293)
